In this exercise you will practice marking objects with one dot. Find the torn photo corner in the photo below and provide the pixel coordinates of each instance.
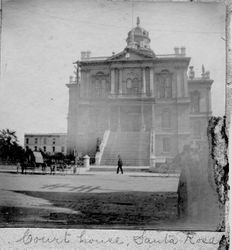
(114, 124)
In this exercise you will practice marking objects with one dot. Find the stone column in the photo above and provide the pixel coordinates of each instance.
(152, 82)
(143, 126)
(178, 83)
(174, 85)
(143, 82)
(185, 83)
(153, 116)
(112, 81)
(120, 82)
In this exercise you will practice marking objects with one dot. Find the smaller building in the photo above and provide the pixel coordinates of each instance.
(48, 143)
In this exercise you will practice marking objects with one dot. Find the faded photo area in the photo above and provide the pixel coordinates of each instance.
(104, 110)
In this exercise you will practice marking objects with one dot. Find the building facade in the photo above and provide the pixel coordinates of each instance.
(48, 143)
(140, 104)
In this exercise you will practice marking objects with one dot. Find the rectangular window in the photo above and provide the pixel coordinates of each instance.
(35, 148)
(166, 145)
(54, 141)
(45, 149)
(53, 149)
(36, 140)
(27, 140)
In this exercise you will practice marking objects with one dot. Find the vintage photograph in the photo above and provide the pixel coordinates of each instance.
(108, 114)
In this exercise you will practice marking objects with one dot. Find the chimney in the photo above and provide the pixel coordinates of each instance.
(176, 49)
(83, 55)
(88, 54)
(183, 50)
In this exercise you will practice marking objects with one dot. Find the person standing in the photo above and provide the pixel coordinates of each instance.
(120, 163)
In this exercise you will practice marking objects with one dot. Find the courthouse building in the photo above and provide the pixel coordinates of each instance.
(141, 105)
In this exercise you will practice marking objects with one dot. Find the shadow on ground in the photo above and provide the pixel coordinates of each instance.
(135, 209)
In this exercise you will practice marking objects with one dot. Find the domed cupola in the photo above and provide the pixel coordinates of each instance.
(138, 38)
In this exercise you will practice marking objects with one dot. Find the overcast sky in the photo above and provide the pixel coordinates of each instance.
(41, 39)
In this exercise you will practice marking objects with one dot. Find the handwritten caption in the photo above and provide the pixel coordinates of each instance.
(139, 238)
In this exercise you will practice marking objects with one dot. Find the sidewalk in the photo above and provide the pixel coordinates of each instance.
(86, 171)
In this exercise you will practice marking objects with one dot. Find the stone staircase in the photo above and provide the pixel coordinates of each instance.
(133, 148)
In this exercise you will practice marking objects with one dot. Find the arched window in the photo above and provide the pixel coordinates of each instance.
(162, 88)
(135, 85)
(132, 85)
(195, 101)
(99, 73)
(165, 71)
(165, 84)
(129, 83)
(168, 88)
(99, 85)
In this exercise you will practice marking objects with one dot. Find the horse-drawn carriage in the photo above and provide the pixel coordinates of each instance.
(32, 161)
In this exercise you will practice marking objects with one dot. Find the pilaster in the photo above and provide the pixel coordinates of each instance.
(152, 82)
(120, 82)
(153, 116)
(143, 81)
(112, 74)
(178, 83)
(143, 126)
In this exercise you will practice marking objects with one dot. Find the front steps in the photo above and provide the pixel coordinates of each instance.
(133, 148)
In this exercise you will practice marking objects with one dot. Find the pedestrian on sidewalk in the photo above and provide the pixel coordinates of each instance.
(120, 163)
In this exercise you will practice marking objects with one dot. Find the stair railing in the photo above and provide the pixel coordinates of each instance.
(102, 146)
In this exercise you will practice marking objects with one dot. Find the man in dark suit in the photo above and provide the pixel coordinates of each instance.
(120, 163)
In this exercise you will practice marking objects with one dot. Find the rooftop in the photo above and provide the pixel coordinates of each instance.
(45, 134)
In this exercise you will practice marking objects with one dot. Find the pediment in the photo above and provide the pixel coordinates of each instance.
(129, 54)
